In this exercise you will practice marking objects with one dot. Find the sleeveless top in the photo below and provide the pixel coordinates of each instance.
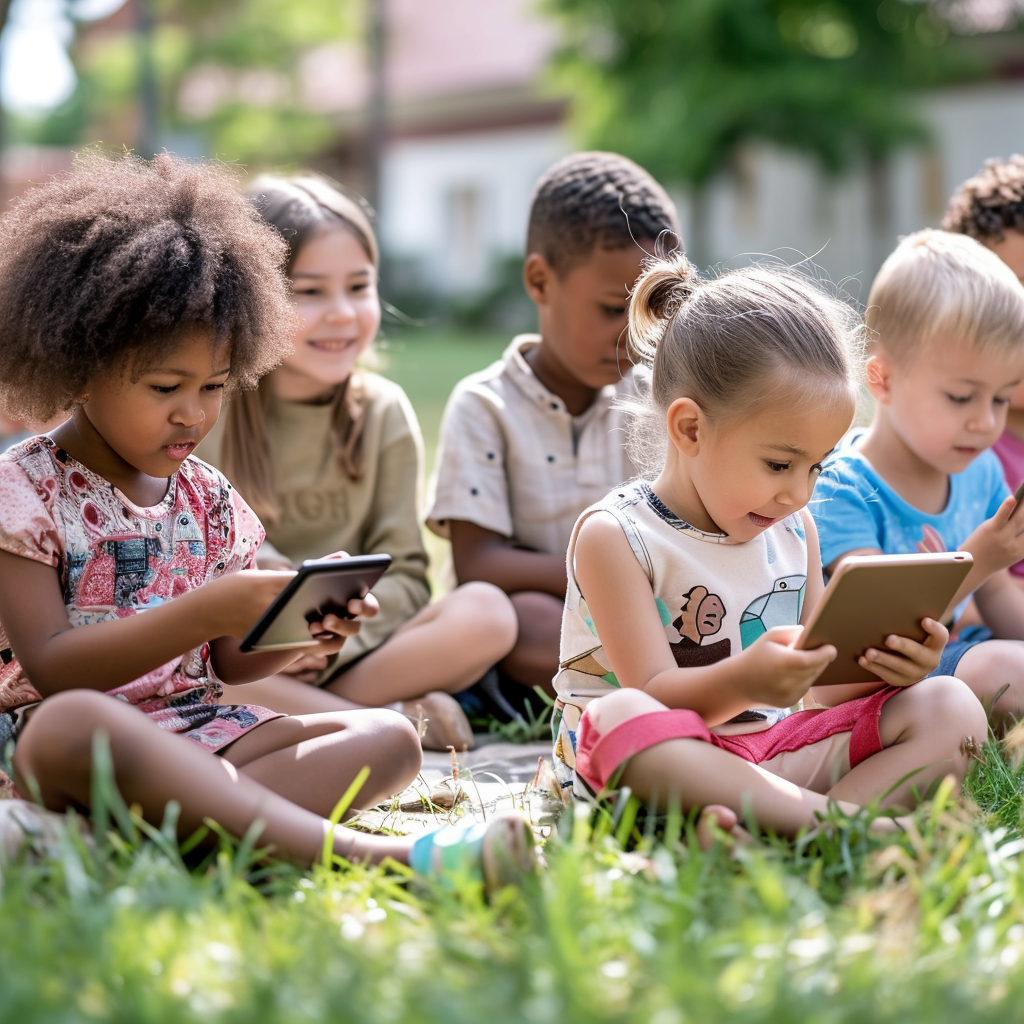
(715, 596)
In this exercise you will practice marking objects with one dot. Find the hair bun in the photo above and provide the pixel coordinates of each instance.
(666, 284)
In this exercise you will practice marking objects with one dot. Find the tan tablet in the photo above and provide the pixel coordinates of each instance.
(870, 597)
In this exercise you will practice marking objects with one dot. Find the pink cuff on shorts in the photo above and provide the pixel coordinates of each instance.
(599, 756)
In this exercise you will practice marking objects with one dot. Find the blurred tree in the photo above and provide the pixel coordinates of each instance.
(5, 10)
(227, 73)
(680, 85)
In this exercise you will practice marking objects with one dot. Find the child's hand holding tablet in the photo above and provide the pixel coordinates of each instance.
(890, 606)
(319, 590)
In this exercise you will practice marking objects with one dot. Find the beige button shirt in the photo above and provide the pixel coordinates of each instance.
(513, 460)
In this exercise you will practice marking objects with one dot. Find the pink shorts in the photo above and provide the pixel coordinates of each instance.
(811, 748)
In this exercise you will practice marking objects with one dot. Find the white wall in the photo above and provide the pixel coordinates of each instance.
(782, 203)
(423, 177)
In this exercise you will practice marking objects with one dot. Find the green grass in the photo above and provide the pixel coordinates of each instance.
(838, 927)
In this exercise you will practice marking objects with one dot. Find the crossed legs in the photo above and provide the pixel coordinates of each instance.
(441, 650)
(923, 729)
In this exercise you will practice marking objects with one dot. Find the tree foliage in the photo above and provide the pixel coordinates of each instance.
(679, 84)
(229, 75)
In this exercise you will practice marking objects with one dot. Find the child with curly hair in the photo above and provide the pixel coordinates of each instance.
(132, 295)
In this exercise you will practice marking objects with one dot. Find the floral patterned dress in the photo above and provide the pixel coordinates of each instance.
(117, 559)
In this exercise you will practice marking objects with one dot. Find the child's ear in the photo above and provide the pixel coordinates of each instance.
(537, 278)
(685, 423)
(878, 371)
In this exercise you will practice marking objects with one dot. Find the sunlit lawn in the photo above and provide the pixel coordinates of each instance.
(428, 362)
(833, 928)
(836, 928)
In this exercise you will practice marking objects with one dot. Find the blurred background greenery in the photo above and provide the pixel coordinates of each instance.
(819, 128)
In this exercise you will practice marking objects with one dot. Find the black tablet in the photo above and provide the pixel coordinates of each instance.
(319, 588)
(870, 597)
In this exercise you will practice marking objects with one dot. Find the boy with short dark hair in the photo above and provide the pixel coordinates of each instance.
(946, 319)
(535, 438)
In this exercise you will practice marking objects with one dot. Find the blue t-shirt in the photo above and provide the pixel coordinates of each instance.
(853, 507)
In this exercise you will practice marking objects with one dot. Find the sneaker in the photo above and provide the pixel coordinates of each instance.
(484, 699)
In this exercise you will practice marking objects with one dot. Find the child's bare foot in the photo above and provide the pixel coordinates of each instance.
(444, 723)
(716, 819)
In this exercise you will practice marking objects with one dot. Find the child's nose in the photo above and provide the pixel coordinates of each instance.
(189, 411)
(984, 420)
(340, 309)
(795, 493)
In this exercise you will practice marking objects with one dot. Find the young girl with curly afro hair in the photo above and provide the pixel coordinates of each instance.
(133, 294)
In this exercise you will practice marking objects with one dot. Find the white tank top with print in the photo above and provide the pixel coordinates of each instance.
(715, 597)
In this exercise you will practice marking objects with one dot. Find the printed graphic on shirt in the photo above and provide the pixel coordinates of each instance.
(565, 725)
(314, 506)
(700, 615)
(591, 663)
(781, 607)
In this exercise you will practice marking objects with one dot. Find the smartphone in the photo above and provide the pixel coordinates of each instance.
(870, 597)
(1017, 496)
(320, 587)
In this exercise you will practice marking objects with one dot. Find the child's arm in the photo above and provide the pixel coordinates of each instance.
(618, 594)
(106, 655)
(1000, 602)
(995, 545)
(473, 500)
(480, 554)
(392, 525)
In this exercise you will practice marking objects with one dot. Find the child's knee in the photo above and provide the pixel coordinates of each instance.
(488, 607)
(619, 706)
(58, 738)
(940, 706)
(395, 737)
(991, 667)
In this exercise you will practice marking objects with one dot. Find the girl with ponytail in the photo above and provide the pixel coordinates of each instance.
(687, 589)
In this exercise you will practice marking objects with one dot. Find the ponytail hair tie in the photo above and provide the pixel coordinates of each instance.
(666, 284)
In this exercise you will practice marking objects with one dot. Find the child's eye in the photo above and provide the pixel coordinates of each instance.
(777, 467)
(1001, 401)
(215, 387)
(305, 291)
(164, 389)
(816, 468)
(959, 399)
(613, 312)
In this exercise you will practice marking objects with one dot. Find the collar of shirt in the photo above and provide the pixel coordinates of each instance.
(521, 374)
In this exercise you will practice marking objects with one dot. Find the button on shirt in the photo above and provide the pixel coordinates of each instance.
(513, 460)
